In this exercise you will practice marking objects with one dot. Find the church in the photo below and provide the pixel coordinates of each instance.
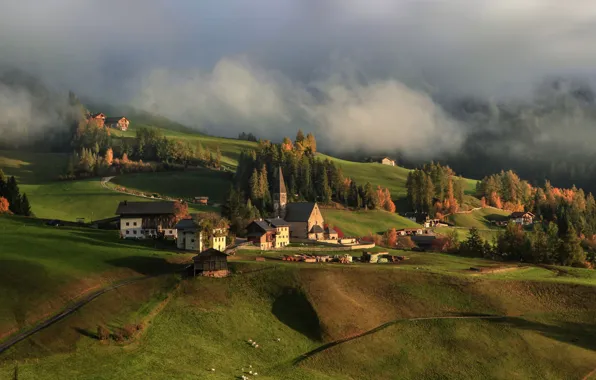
(305, 218)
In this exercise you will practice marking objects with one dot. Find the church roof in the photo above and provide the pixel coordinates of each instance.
(281, 185)
(299, 211)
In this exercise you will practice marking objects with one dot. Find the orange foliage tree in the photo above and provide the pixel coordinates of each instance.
(4, 206)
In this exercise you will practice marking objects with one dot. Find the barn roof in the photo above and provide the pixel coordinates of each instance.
(520, 214)
(94, 115)
(277, 222)
(211, 252)
(145, 208)
(262, 225)
(114, 119)
(186, 224)
(299, 211)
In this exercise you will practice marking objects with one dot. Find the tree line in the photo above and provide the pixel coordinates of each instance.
(543, 245)
(306, 177)
(11, 199)
(435, 189)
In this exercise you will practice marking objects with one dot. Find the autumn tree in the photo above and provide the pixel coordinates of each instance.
(4, 206)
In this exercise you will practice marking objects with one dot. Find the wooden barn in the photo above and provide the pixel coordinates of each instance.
(211, 263)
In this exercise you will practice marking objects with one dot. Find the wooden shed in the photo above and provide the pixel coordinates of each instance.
(211, 263)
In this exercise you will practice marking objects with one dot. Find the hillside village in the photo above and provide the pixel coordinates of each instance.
(287, 214)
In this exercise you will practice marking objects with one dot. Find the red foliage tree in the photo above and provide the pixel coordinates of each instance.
(4, 206)
(180, 210)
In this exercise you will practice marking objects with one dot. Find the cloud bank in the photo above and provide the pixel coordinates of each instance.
(272, 66)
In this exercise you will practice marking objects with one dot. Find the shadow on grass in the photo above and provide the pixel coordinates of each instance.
(579, 334)
(294, 310)
(149, 266)
(86, 333)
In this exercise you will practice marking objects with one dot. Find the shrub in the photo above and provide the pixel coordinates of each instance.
(102, 333)
(118, 336)
(405, 242)
(128, 331)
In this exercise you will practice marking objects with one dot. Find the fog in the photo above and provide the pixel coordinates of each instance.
(379, 75)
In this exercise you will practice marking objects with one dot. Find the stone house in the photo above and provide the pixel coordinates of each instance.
(140, 220)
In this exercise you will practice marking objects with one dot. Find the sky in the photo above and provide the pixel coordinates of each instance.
(359, 74)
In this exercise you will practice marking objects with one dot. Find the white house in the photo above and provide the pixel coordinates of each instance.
(523, 218)
(191, 239)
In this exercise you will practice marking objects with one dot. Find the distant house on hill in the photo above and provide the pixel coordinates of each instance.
(306, 220)
(98, 118)
(118, 122)
(190, 238)
(140, 220)
(387, 161)
(210, 263)
(423, 218)
(525, 218)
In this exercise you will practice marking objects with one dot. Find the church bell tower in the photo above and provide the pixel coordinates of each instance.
(280, 197)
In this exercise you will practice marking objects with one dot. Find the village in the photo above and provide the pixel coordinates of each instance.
(295, 227)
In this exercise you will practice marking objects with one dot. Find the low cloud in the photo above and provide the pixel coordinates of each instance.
(344, 113)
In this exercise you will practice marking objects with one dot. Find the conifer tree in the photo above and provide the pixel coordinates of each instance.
(25, 207)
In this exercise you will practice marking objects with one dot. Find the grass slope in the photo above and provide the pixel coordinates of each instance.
(43, 267)
(361, 223)
(479, 218)
(550, 333)
(188, 184)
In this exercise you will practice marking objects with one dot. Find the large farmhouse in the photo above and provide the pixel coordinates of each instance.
(523, 218)
(98, 118)
(269, 233)
(140, 220)
(118, 122)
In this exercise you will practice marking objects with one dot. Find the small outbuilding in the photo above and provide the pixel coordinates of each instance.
(211, 263)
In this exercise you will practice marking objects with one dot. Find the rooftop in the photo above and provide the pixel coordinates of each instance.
(145, 208)
(277, 222)
(299, 211)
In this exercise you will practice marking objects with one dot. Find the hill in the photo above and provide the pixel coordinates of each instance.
(362, 223)
(43, 268)
(300, 314)
(480, 218)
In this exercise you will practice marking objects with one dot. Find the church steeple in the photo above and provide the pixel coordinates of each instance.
(280, 197)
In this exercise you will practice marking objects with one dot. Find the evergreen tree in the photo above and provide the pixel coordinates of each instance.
(218, 157)
(25, 207)
(12, 194)
(254, 185)
(539, 245)
(571, 252)
(473, 246)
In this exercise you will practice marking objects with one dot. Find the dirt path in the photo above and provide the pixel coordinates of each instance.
(327, 346)
(66, 312)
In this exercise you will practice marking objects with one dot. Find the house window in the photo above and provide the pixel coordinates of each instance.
(134, 224)
(192, 240)
(127, 224)
(127, 232)
(134, 232)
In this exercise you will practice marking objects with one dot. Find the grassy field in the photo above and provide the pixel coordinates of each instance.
(361, 223)
(188, 184)
(549, 334)
(479, 218)
(43, 267)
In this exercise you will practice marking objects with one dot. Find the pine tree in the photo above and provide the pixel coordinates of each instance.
(12, 194)
(571, 252)
(539, 245)
(300, 137)
(474, 245)
(218, 157)
(254, 185)
(25, 207)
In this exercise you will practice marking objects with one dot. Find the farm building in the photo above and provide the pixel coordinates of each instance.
(387, 161)
(140, 220)
(210, 263)
(190, 238)
(202, 200)
(118, 122)
(98, 118)
(524, 218)
(261, 234)
(331, 234)
(306, 221)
